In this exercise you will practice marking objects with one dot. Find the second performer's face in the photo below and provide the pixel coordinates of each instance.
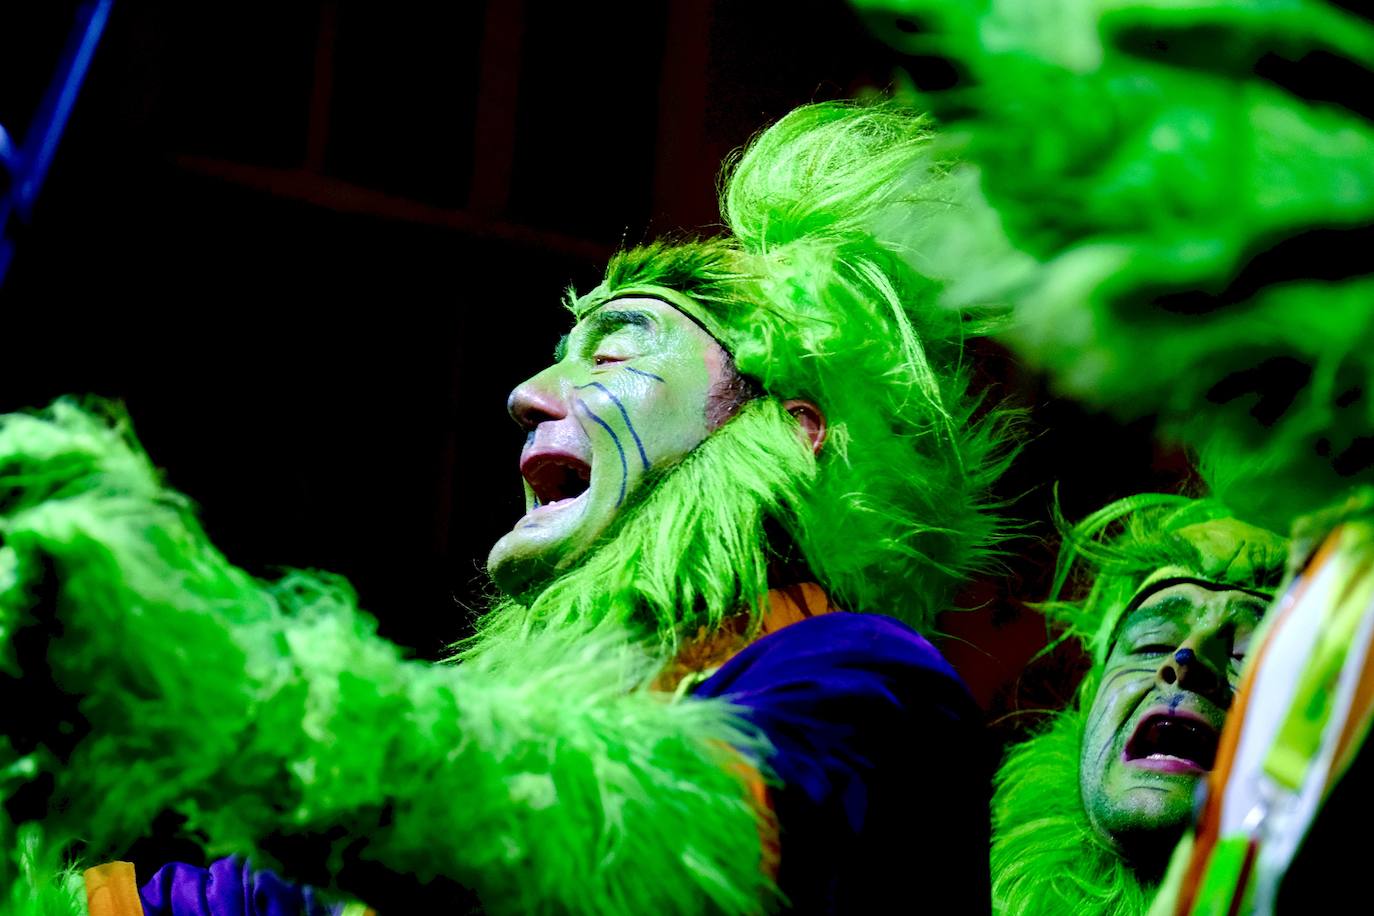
(627, 396)
(1152, 730)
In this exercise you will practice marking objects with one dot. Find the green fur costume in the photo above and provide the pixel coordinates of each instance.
(1189, 190)
(541, 771)
(1183, 194)
(1046, 855)
(812, 291)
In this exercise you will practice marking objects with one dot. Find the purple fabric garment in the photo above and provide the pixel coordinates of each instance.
(882, 772)
(229, 887)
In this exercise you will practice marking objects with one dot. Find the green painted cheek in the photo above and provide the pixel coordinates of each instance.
(675, 418)
(638, 415)
(1103, 781)
(1103, 723)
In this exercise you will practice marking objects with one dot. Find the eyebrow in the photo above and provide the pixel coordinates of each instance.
(1169, 609)
(602, 323)
(607, 321)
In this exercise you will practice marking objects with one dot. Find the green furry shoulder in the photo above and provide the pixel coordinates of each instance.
(1046, 858)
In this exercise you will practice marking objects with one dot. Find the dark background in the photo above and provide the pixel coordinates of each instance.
(311, 246)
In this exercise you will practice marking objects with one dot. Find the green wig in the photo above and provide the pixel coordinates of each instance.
(1046, 856)
(1116, 550)
(814, 296)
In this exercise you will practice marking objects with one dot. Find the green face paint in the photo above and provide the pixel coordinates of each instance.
(628, 396)
(1152, 730)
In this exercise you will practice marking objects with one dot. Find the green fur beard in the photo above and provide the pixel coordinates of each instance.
(691, 552)
(1046, 857)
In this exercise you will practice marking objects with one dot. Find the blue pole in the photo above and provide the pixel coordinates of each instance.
(28, 164)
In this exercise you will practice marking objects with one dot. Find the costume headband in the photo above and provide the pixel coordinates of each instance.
(678, 300)
(1173, 575)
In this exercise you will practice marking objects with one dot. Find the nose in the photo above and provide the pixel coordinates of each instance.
(1191, 667)
(537, 400)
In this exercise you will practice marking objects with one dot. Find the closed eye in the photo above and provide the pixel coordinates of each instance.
(1154, 649)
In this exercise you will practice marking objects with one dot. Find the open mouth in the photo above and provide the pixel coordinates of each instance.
(1173, 742)
(556, 478)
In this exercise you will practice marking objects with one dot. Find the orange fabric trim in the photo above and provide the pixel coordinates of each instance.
(786, 606)
(705, 651)
(112, 890)
(762, 803)
(1357, 723)
(1209, 822)
(793, 603)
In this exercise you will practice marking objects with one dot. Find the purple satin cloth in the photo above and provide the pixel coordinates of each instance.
(882, 766)
(229, 887)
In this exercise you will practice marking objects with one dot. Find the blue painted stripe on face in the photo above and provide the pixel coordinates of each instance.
(657, 378)
(644, 458)
(624, 465)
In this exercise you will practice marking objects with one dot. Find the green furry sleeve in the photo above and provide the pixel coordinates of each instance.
(547, 780)
(1194, 185)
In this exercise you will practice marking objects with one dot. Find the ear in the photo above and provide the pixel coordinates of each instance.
(812, 420)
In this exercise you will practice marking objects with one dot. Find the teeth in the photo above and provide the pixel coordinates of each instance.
(1188, 740)
(556, 479)
(557, 502)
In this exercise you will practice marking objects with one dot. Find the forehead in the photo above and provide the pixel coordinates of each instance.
(654, 318)
(1187, 603)
(637, 311)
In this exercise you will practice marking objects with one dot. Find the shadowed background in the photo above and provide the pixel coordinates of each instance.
(312, 246)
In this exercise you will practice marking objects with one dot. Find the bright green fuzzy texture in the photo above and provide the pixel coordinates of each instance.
(689, 554)
(1106, 557)
(544, 773)
(33, 882)
(814, 293)
(1133, 152)
(1046, 858)
(541, 771)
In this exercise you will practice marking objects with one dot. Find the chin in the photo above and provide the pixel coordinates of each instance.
(546, 543)
(515, 572)
(1145, 833)
(1149, 846)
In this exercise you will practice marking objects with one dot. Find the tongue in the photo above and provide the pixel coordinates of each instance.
(1179, 738)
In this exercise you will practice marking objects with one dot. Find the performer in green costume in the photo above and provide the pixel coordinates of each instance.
(1187, 190)
(739, 435)
(1087, 811)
